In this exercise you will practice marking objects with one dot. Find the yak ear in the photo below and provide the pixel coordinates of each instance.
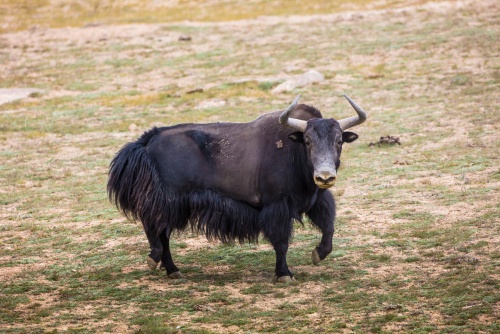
(297, 137)
(349, 137)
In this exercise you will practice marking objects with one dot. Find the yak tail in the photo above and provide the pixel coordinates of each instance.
(134, 185)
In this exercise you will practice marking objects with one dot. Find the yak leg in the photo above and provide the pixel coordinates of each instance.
(166, 259)
(156, 250)
(322, 214)
(279, 240)
(283, 274)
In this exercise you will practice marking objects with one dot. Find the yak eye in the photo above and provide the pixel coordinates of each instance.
(308, 143)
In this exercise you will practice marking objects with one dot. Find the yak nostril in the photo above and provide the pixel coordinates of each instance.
(328, 180)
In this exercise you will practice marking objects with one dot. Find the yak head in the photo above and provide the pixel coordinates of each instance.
(323, 139)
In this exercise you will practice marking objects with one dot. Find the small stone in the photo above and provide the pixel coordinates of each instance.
(132, 127)
(196, 90)
(8, 95)
(400, 161)
(213, 103)
(374, 76)
(204, 308)
(92, 24)
(176, 275)
(389, 140)
(313, 76)
(284, 279)
(305, 79)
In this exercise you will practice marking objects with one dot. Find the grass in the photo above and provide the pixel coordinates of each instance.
(416, 244)
(23, 14)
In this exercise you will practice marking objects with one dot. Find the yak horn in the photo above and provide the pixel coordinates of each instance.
(292, 122)
(347, 123)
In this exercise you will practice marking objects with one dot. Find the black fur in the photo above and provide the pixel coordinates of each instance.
(135, 187)
(205, 142)
(133, 183)
(231, 182)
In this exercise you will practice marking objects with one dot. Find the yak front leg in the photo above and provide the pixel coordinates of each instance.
(322, 214)
(278, 233)
(283, 274)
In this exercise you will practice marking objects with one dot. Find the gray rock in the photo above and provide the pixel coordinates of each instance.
(299, 81)
(213, 103)
(8, 95)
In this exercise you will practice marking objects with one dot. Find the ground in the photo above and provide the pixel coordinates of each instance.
(416, 247)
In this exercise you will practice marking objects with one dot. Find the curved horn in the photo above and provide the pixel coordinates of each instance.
(292, 122)
(347, 123)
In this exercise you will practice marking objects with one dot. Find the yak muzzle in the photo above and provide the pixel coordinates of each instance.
(325, 179)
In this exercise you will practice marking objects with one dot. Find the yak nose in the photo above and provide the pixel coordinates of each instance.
(325, 178)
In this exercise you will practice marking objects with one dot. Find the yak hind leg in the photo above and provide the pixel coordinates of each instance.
(322, 214)
(156, 247)
(166, 260)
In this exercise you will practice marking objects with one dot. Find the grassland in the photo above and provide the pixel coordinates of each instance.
(30, 14)
(416, 248)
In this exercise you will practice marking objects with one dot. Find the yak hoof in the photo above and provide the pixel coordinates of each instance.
(284, 279)
(176, 275)
(315, 257)
(152, 264)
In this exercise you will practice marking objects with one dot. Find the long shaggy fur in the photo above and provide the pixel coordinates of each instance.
(134, 185)
(137, 190)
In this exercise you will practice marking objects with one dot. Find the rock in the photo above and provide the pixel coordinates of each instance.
(132, 127)
(299, 81)
(8, 95)
(176, 275)
(196, 90)
(284, 279)
(374, 75)
(204, 308)
(313, 76)
(390, 140)
(93, 24)
(213, 103)
(400, 161)
(286, 86)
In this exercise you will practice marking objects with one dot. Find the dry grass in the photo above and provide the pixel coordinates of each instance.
(19, 15)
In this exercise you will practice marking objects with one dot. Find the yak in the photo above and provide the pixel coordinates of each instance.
(234, 181)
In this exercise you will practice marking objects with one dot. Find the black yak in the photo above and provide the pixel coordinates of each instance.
(234, 180)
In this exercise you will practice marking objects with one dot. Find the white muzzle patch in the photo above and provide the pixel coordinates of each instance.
(325, 177)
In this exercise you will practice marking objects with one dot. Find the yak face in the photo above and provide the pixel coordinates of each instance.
(323, 139)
